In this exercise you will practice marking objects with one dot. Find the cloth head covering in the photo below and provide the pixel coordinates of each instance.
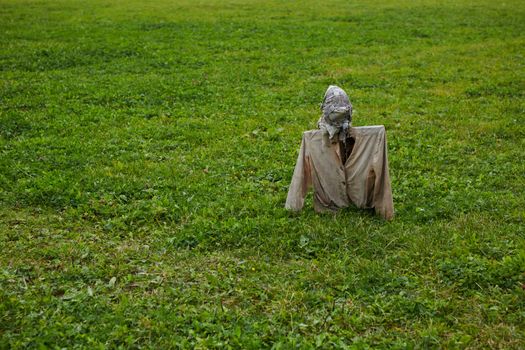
(337, 113)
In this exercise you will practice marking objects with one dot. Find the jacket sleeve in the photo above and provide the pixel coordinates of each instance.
(383, 201)
(301, 180)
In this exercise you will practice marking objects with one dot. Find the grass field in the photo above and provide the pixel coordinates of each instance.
(146, 148)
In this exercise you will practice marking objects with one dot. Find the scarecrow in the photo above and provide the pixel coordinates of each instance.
(344, 164)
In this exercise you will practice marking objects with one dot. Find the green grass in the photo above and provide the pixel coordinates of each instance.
(146, 149)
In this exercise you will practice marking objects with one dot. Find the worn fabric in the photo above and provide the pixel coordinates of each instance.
(362, 180)
(336, 116)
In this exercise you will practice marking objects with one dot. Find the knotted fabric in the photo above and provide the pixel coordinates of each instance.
(336, 116)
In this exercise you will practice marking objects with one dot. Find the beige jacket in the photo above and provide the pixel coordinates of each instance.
(363, 180)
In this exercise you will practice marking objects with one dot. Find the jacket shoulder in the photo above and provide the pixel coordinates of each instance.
(368, 130)
(311, 134)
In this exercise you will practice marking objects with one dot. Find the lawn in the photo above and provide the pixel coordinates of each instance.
(146, 148)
